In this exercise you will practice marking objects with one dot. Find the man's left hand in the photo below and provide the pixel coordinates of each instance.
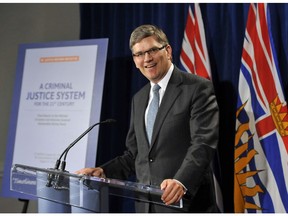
(173, 191)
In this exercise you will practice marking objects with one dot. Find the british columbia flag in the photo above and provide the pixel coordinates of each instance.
(194, 59)
(261, 140)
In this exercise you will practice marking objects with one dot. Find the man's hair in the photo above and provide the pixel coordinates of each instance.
(144, 31)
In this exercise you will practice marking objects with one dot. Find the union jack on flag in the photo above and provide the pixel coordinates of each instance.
(194, 55)
(194, 59)
(261, 141)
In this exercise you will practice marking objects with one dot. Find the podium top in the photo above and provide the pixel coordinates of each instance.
(49, 183)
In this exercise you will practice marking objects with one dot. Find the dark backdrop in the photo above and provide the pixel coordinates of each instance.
(224, 27)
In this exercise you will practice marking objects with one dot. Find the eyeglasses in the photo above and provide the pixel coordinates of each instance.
(151, 52)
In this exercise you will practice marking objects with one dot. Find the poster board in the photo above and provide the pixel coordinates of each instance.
(57, 96)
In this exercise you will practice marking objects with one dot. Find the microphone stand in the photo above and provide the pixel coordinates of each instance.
(55, 179)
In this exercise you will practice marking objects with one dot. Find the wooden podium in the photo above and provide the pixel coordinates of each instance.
(88, 193)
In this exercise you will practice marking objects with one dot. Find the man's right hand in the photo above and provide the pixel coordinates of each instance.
(98, 172)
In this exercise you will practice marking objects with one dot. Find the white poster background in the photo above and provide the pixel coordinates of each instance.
(55, 105)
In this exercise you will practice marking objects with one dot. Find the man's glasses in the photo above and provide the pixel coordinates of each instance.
(150, 52)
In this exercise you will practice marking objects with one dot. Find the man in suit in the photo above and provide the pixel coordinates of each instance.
(178, 156)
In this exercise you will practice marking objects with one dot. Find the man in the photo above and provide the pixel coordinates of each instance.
(177, 154)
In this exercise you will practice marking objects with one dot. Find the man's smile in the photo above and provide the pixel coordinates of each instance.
(150, 66)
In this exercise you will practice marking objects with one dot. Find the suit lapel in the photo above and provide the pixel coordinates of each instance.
(172, 92)
(141, 105)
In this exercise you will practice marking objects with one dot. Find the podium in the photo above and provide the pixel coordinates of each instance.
(85, 192)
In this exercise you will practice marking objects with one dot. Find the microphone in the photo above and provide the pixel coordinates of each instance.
(54, 179)
(65, 152)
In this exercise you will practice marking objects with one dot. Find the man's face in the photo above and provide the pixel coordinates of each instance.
(152, 58)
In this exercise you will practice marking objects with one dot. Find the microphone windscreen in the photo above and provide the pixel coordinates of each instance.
(110, 121)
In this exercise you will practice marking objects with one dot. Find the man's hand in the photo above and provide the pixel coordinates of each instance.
(98, 172)
(173, 191)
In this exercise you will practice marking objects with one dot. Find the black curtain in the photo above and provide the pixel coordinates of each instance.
(225, 29)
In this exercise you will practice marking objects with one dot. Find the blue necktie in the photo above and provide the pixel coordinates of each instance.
(152, 111)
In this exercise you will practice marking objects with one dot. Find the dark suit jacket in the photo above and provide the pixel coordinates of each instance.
(183, 143)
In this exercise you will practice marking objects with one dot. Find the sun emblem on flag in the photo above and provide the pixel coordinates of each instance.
(242, 157)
